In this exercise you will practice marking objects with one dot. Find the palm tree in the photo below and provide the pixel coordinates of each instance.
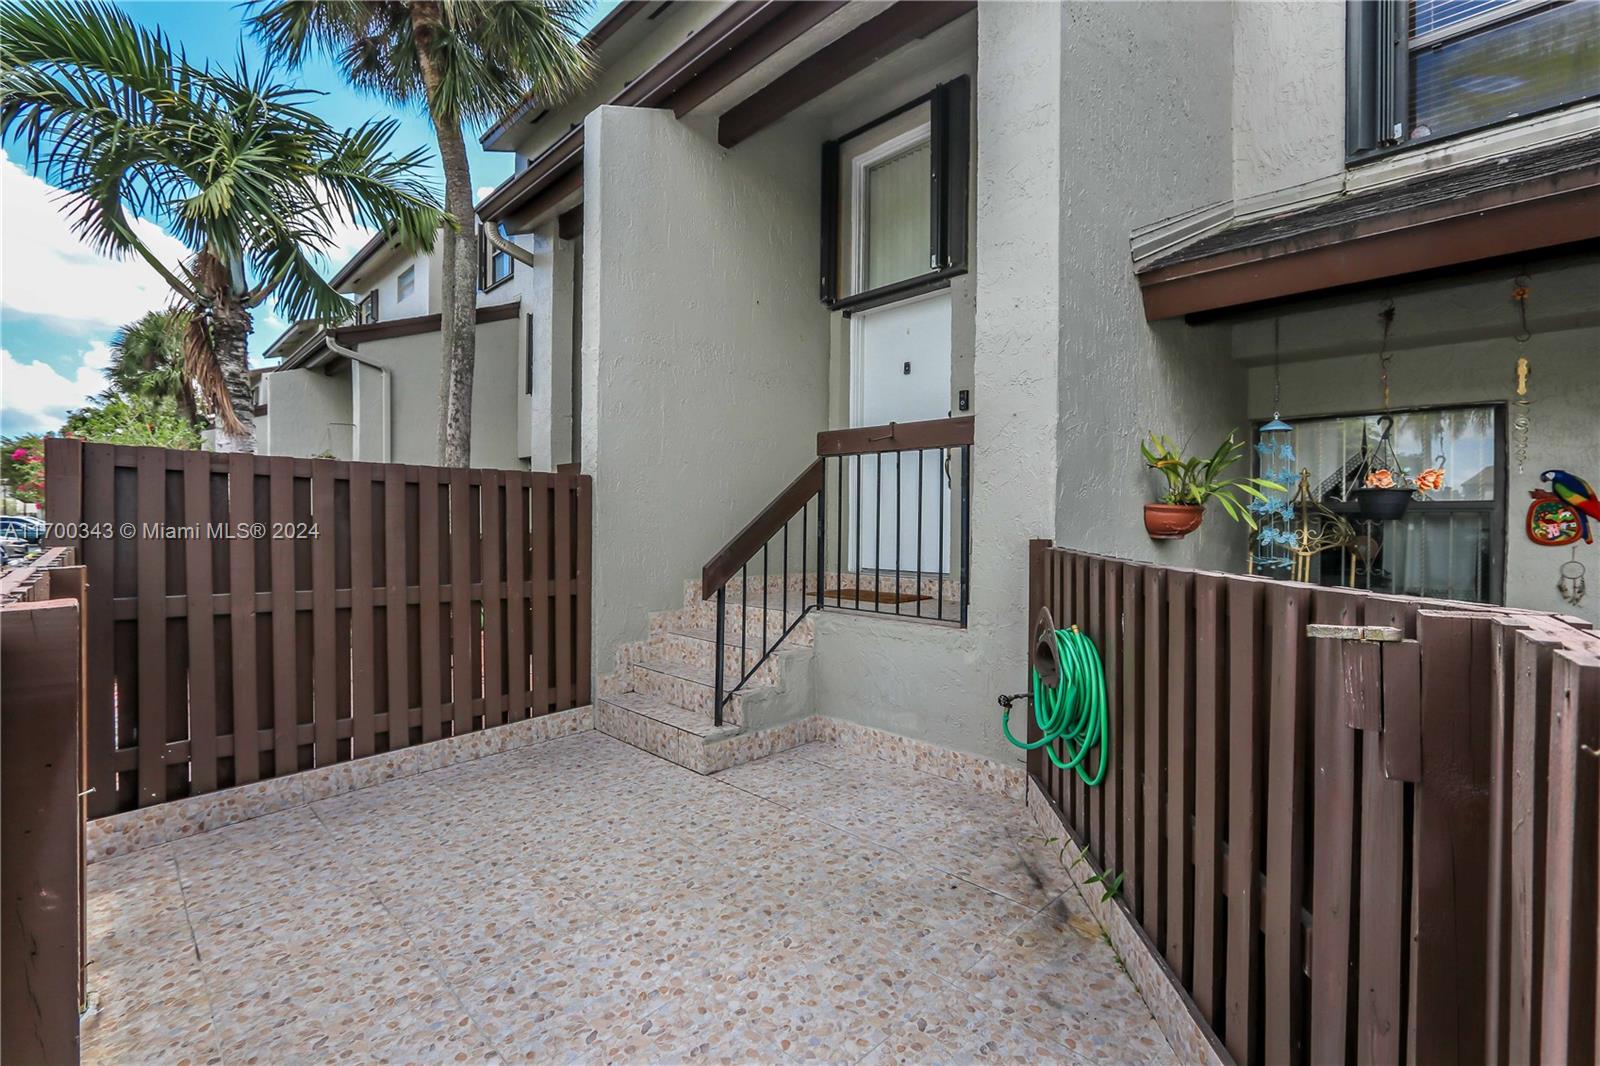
(147, 361)
(467, 62)
(228, 161)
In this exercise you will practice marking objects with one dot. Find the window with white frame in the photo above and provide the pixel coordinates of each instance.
(1422, 70)
(406, 283)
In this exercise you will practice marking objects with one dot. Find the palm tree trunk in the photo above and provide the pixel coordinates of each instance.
(460, 288)
(230, 335)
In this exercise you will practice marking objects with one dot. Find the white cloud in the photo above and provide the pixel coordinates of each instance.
(483, 191)
(45, 270)
(37, 396)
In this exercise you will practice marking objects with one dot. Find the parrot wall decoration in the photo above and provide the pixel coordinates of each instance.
(1578, 494)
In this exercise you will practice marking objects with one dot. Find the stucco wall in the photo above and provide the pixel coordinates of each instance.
(1564, 385)
(1288, 94)
(704, 348)
(1139, 147)
(414, 363)
(424, 293)
(308, 414)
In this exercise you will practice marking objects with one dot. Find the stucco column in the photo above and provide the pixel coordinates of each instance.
(367, 403)
(1016, 361)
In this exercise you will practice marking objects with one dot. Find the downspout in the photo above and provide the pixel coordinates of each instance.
(383, 390)
(491, 233)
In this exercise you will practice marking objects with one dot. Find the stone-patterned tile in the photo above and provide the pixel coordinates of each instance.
(582, 901)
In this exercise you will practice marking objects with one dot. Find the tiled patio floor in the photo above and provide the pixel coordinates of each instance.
(580, 900)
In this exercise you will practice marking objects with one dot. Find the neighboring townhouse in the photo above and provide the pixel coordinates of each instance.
(1077, 223)
(368, 389)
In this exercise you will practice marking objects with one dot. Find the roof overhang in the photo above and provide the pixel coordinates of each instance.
(314, 350)
(729, 45)
(1536, 201)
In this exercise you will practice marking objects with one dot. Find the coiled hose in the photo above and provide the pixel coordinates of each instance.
(1073, 711)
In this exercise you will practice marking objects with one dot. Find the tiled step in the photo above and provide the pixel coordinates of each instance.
(697, 647)
(686, 737)
(690, 686)
(704, 617)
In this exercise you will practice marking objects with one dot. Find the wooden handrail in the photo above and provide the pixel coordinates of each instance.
(896, 437)
(737, 551)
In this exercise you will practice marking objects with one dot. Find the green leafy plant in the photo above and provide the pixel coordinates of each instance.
(1110, 885)
(1194, 479)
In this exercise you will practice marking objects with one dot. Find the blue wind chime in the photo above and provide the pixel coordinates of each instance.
(1274, 515)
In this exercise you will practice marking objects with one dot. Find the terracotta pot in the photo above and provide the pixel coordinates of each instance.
(1382, 505)
(1172, 521)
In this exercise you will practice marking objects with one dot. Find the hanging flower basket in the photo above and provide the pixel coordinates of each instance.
(1382, 505)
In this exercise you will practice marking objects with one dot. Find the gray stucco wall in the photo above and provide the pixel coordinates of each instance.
(1139, 148)
(1288, 94)
(704, 348)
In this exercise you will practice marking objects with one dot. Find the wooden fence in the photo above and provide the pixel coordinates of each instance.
(1344, 850)
(253, 616)
(42, 657)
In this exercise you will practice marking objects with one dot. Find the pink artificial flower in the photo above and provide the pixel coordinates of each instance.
(20, 454)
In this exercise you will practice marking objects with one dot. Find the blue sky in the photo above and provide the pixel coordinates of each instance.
(60, 303)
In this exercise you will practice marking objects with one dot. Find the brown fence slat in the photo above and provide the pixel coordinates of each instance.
(516, 523)
(1111, 657)
(1402, 711)
(152, 625)
(1530, 755)
(461, 606)
(1452, 812)
(562, 536)
(543, 623)
(1156, 853)
(582, 588)
(1128, 753)
(1246, 794)
(494, 687)
(1286, 823)
(200, 626)
(285, 654)
(1180, 730)
(1210, 787)
(397, 650)
(1379, 1034)
(241, 618)
(434, 634)
(1334, 815)
(1566, 1023)
(363, 679)
(325, 674)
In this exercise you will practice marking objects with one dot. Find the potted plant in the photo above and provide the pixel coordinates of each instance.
(1194, 480)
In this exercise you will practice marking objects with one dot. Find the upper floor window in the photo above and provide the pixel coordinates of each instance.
(406, 283)
(367, 309)
(496, 266)
(895, 200)
(1421, 70)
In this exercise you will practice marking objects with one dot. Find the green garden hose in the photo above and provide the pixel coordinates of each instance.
(1073, 711)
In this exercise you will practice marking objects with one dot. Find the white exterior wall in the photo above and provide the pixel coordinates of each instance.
(424, 298)
(704, 348)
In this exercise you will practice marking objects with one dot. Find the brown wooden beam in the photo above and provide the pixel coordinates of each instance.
(1468, 230)
(830, 65)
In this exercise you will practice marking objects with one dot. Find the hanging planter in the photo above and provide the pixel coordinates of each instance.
(1381, 505)
(1192, 481)
(1172, 521)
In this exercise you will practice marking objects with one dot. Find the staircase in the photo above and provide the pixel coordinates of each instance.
(660, 696)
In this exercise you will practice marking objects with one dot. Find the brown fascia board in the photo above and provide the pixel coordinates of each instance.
(733, 42)
(1537, 215)
(352, 336)
(857, 50)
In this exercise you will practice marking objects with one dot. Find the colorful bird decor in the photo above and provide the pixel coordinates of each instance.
(1577, 494)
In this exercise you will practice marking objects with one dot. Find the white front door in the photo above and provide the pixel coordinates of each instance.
(900, 355)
